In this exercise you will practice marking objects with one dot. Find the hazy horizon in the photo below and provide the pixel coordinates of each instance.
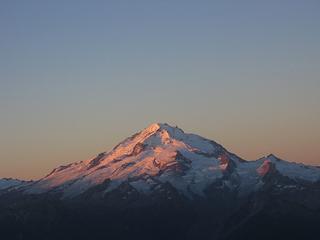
(77, 77)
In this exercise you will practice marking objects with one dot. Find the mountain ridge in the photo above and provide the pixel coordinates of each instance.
(161, 153)
(166, 184)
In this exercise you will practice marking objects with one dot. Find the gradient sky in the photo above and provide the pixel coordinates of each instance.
(76, 77)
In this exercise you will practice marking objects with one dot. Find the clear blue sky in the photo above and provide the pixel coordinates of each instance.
(78, 76)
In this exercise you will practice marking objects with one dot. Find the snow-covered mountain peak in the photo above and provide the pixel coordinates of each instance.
(160, 136)
(154, 127)
(155, 136)
(161, 154)
(166, 131)
(273, 158)
(159, 151)
(290, 169)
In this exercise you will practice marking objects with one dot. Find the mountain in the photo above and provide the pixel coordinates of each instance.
(163, 180)
(9, 183)
(163, 154)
